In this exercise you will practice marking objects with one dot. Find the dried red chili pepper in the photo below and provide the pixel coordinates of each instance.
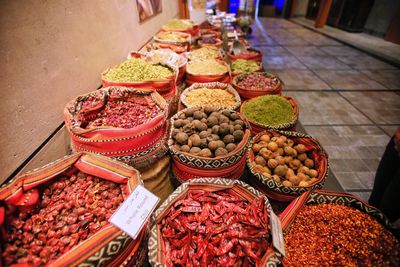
(59, 221)
(219, 228)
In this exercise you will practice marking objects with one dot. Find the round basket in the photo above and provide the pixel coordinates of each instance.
(218, 43)
(214, 85)
(186, 166)
(248, 93)
(176, 46)
(157, 245)
(209, 32)
(257, 127)
(277, 191)
(256, 55)
(162, 86)
(192, 78)
(191, 29)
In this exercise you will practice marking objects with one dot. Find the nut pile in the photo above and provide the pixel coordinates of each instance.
(243, 65)
(280, 159)
(71, 210)
(257, 81)
(207, 132)
(122, 114)
(136, 70)
(210, 97)
(338, 235)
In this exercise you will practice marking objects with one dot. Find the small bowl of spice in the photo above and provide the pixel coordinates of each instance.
(249, 54)
(253, 84)
(219, 95)
(209, 70)
(240, 66)
(270, 112)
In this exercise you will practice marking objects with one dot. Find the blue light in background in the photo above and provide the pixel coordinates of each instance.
(279, 6)
(234, 6)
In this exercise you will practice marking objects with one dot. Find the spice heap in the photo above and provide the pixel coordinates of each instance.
(71, 210)
(178, 24)
(208, 66)
(122, 114)
(243, 65)
(215, 229)
(280, 159)
(209, 40)
(248, 53)
(207, 132)
(203, 53)
(269, 110)
(172, 37)
(136, 70)
(337, 235)
(210, 97)
(257, 81)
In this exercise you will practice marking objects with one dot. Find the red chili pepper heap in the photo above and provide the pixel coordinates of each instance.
(215, 229)
(71, 210)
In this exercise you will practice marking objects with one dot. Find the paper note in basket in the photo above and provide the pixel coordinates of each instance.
(277, 236)
(135, 211)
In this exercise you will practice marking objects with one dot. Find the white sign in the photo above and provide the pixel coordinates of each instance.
(277, 236)
(135, 211)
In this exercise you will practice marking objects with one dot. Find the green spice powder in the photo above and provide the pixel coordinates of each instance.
(136, 70)
(269, 110)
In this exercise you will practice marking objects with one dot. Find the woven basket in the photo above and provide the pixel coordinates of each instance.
(257, 127)
(255, 57)
(110, 245)
(134, 146)
(163, 86)
(248, 94)
(186, 166)
(156, 243)
(176, 46)
(215, 85)
(192, 78)
(276, 190)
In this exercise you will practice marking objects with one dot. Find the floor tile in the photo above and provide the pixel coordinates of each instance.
(348, 80)
(301, 80)
(290, 41)
(266, 41)
(389, 129)
(365, 62)
(380, 107)
(273, 50)
(282, 62)
(326, 108)
(349, 181)
(305, 51)
(322, 40)
(389, 78)
(322, 63)
(341, 50)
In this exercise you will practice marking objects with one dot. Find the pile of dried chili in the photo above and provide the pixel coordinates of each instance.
(338, 235)
(71, 210)
(215, 229)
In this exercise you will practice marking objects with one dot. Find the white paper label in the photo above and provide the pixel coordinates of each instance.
(135, 211)
(277, 235)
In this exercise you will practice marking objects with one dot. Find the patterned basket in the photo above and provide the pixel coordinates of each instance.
(315, 197)
(276, 190)
(156, 243)
(186, 166)
(109, 246)
(163, 86)
(257, 56)
(134, 146)
(257, 127)
(247, 93)
(214, 85)
(192, 78)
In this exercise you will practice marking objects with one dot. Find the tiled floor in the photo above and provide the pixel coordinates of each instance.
(348, 100)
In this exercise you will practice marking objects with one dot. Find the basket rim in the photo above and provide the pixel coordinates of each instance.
(264, 73)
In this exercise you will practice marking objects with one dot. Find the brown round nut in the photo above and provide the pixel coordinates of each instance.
(281, 170)
(260, 161)
(256, 148)
(272, 146)
(213, 145)
(302, 156)
(196, 140)
(312, 173)
(300, 148)
(221, 152)
(185, 148)
(195, 150)
(287, 183)
(303, 184)
(211, 121)
(272, 163)
(204, 134)
(294, 180)
(228, 139)
(295, 164)
(205, 152)
(230, 147)
(265, 138)
(309, 163)
(182, 138)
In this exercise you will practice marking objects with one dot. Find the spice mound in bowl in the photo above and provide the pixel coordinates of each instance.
(172, 36)
(269, 110)
(178, 24)
(284, 161)
(136, 70)
(210, 97)
(203, 53)
(257, 81)
(207, 132)
(243, 65)
(338, 235)
(206, 67)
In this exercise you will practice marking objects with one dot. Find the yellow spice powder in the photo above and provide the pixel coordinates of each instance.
(210, 97)
(210, 66)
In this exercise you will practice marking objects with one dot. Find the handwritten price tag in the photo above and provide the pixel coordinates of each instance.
(135, 211)
(277, 236)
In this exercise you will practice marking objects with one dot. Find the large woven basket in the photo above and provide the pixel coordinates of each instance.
(258, 127)
(133, 146)
(186, 166)
(109, 246)
(277, 191)
(213, 85)
(248, 93)
(192, 78)
(156, 243)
